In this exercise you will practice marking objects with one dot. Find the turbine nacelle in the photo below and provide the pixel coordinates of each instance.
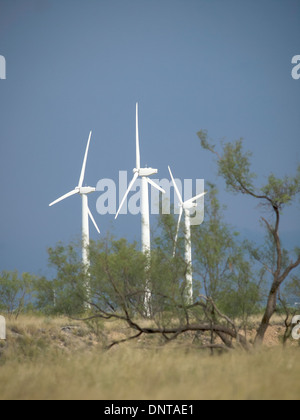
(145, 171)
(85, 190)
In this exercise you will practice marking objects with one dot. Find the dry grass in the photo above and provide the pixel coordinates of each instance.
(42, 361)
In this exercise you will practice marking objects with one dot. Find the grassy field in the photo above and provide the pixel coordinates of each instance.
(56, 359)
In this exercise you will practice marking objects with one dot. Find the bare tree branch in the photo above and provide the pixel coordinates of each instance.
(124, 340)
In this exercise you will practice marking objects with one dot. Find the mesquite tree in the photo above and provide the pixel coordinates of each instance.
(234, 166)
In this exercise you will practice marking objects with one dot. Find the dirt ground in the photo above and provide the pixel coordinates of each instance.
(37, 334)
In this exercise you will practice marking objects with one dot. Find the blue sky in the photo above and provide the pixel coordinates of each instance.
(75, 66)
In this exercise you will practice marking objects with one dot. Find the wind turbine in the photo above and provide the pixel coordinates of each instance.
(86, 213)
(186, 206)
(144, 174)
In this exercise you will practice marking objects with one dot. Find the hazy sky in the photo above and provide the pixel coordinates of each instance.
(80, 65)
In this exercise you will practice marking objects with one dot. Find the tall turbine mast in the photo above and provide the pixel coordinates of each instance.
(86, 213)
(185, 207)
(144, 174)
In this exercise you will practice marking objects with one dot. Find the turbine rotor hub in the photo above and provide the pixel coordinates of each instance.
(190, 206)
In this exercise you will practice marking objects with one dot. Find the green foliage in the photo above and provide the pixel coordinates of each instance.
(282, 191)
(44, 295)
(120, 275)
(223, 265)
(14, 291)
(205, 143)
(234, 166)
(292, 288)
(117, 276)
(67, 291)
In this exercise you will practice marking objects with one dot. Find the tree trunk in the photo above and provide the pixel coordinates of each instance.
(272, 300)
(269, 312)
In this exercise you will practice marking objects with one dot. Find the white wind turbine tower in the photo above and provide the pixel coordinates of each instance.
(86, 213)
(186, 206)
(144, 174)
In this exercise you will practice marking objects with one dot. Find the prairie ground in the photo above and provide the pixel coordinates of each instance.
(58, 359)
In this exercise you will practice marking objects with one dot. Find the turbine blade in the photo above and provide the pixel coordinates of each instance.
(195, 198)
(136, 175)
(175, 186)
(84, 162)
(177, 231)
(138, 153)
(69, 194)
(93, 220)
(156, 186)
